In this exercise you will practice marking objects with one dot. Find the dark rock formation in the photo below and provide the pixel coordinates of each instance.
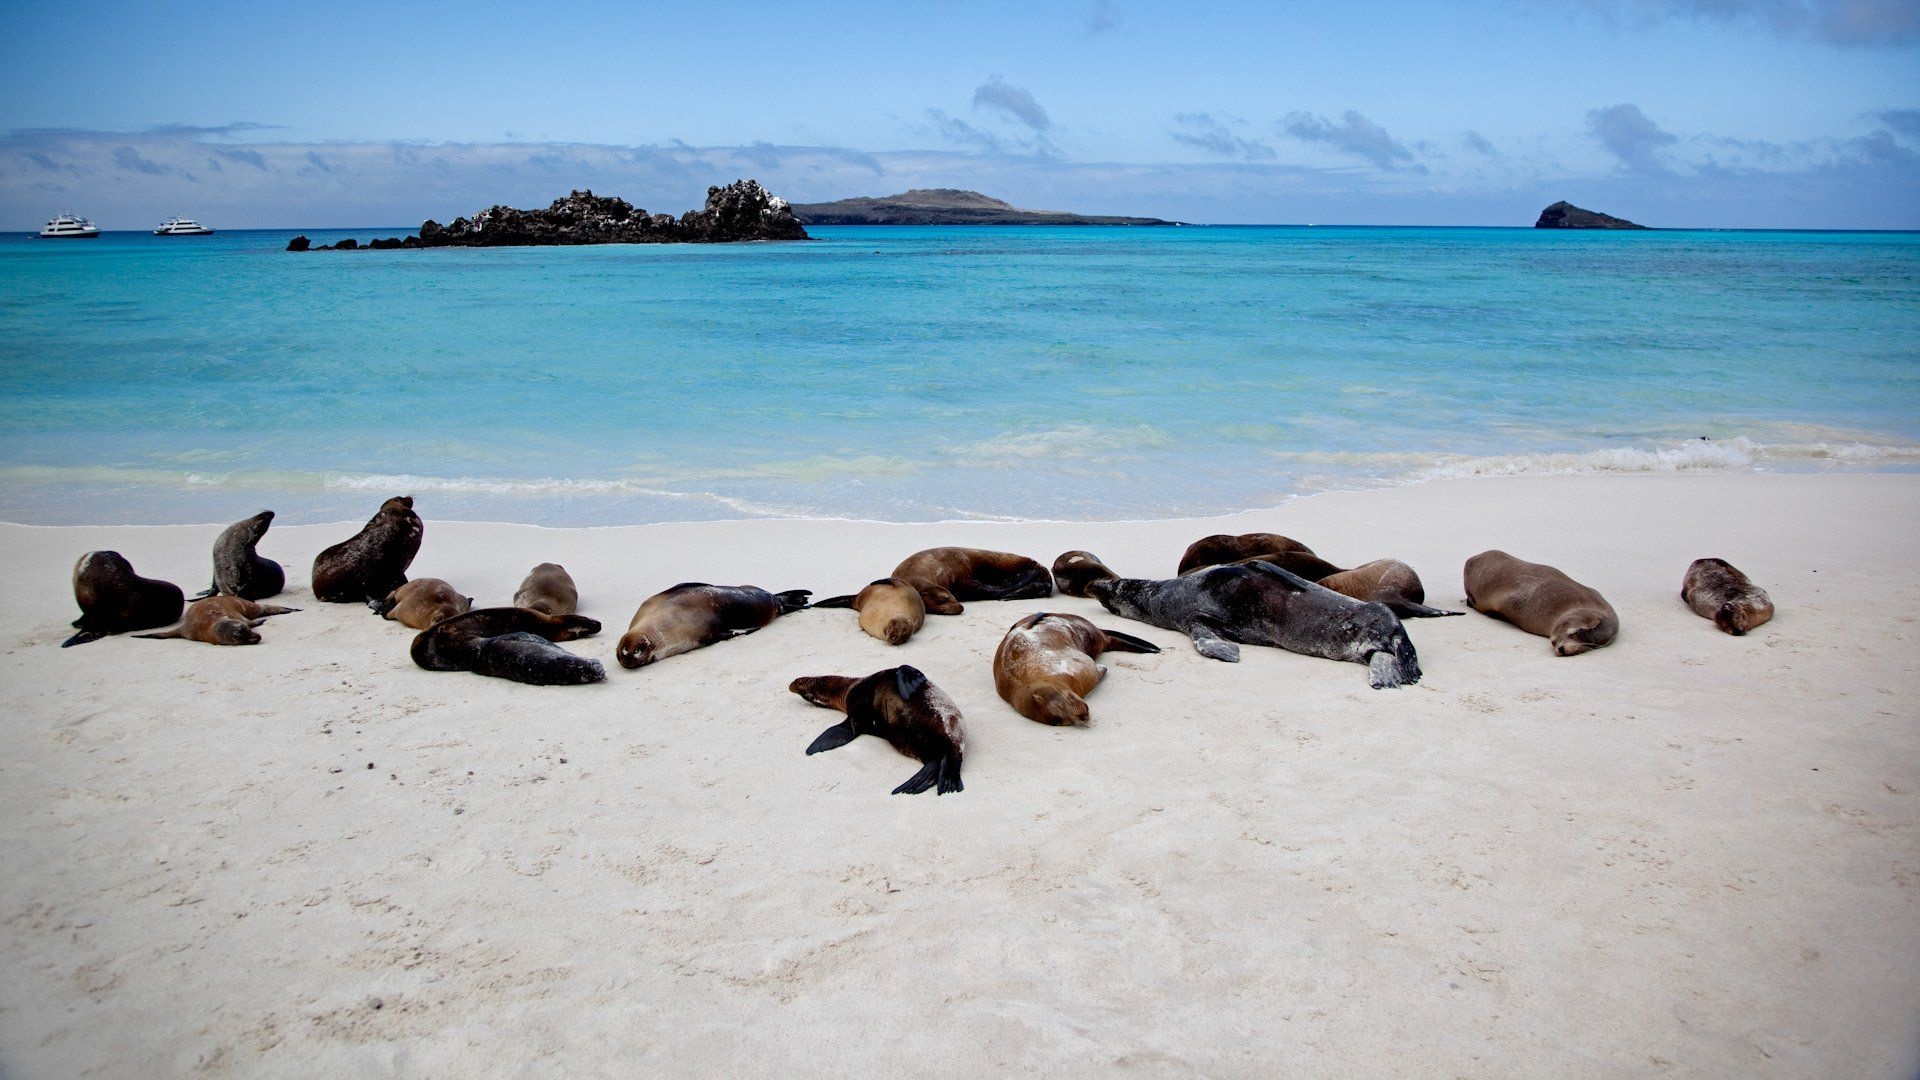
(945, 206)
(348, 244)
(1565, 215)
(299, 243)
(743, 210)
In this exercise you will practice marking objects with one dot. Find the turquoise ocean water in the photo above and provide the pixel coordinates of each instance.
(931, 373)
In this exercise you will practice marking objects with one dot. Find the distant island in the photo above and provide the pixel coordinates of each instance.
(1565, 215)
(945, 206)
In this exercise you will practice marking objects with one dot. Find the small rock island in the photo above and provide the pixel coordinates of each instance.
(945, 206)
(1565, 215)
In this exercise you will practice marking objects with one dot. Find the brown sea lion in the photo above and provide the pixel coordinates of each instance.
(1715, 590)
(694, 614)
(422, 602)
(1075, 570)
(374, 562)
(902, 707)
(890, 609)
(1540, 600)
(947, 575)
(1222, 548)
(1387, 581)
(510, 643)
(113, 599)
(549, 588)
(238, 570)
(222, 620)
(1045, 666)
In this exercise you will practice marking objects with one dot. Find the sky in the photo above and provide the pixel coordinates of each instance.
(1680, 113)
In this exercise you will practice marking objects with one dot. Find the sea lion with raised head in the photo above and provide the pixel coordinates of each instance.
(1073, 571)
(510, 643)
(1223, 548)
(1541, 600)
(221, 619)
(1261, 604)
(374, 561)
(548, 588)
(422, 602)
(113, 599)
(901, 706)
(1045, 667)
(947, 575)
(890, 609)
(239, 570)
(694, 614)
(1715, 590)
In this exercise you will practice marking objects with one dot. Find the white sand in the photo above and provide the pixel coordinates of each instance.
(1684, 855)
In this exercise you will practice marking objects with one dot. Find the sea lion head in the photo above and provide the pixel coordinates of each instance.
(234, 632)
(1574, 633)
(1375, 637)
(1061, 708)
(1741, 614)
(1122, 596)
(1075, 572)
(635, 650)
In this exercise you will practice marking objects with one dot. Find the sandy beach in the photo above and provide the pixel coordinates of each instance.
(1685, 855)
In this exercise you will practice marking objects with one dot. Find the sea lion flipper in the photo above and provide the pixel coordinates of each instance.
(908, 680)
(1119, 642)
(1291, 580)
(82, 638)
(1407, 609)
(930, 774)
(174, 633)
(1208, 641)
(836, 736)
(792, 600)
(214, 589)
(835, 601)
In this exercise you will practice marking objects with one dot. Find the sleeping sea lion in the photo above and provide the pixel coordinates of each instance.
(374, 562)
(947, 575)
(1222, 548)
(1075, 570)
(222, 620)
(1045, 666)
(1540, 600)
(238, 570)
(1717, 591)
(1261, 604)
(548, 588)
(1390, 582)
(510, 643)
(422, 602)
(693, 614)
(113, 599)
(890, 609)
(900, 706)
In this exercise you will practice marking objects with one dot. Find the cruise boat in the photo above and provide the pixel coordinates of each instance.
(181, 226)
(69, 227)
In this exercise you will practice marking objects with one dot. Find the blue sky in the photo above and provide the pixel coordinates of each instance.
(1720, 113)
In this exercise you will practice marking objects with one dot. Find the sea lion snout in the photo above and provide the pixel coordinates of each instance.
(235, 632)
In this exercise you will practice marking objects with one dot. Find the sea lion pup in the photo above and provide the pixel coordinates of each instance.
(890, 609)
(1715, 590)
(422, 602)
(694, 614)
(1389, 581)
(374, 562)
(900, 706)
(1261, 604)
(113, 599)
(222, 620)
(510, 643)
(1222, 548)
(548, 588)
(1540, 600)
(1045, 666)
(240, 571)
(947, 575)
(1075, 570)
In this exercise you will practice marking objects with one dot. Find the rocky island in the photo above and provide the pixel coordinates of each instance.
(1565, 215)
(945, 206)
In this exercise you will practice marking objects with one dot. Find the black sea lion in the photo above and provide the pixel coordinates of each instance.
(947, 575)
(1222, 548)
(238, 570)
(1261, 604)
(374, 562)
(890, 609)
(694, 614)
(1045, 666)
(113, 599)
(422, 602)
(549, 588)
(510, 643)
(1073, 571)
(222, 620)
(1717, 591)
(900, 706)
(1540, 600)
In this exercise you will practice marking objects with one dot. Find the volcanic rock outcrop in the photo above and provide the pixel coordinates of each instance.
(1565, 215)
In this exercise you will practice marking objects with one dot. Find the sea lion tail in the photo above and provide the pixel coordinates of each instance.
(835, 601)
(792, 600)
(1119, 642)
(82, 638)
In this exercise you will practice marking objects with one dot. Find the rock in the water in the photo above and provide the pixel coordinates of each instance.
(349, 244)
(1565, 215)
(743, 210)
(299, 243)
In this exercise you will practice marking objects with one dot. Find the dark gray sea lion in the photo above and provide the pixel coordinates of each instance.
(223, 620)
(113, 599)
(694, 614)
(374, 562)
(1540, 600)
(1223, 548)
(1261, 604)
(1717, 591)
(510, 643)
(890, 609)
(1390, 582)
(549, 588)
(238, 570)
(902, 707)
(1045, 666)
(422, 602)
(1075, 570)
(947, 575)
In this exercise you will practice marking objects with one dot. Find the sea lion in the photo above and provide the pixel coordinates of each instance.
(1222, 548)
(890, 609)
(1715, 590)
(1045, 666)
(1075, 570)
(374, 562)
(900, 706)
(947, 575)
(1261, 604)
(113, 599)
(694, 614)
(1540, 600)
(238, 570)
(510, 643)
(1388, 581)
(422, 602)
(221, 619)
(549, 588)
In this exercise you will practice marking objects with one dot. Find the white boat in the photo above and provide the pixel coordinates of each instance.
(69, 227)
(182, 226)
